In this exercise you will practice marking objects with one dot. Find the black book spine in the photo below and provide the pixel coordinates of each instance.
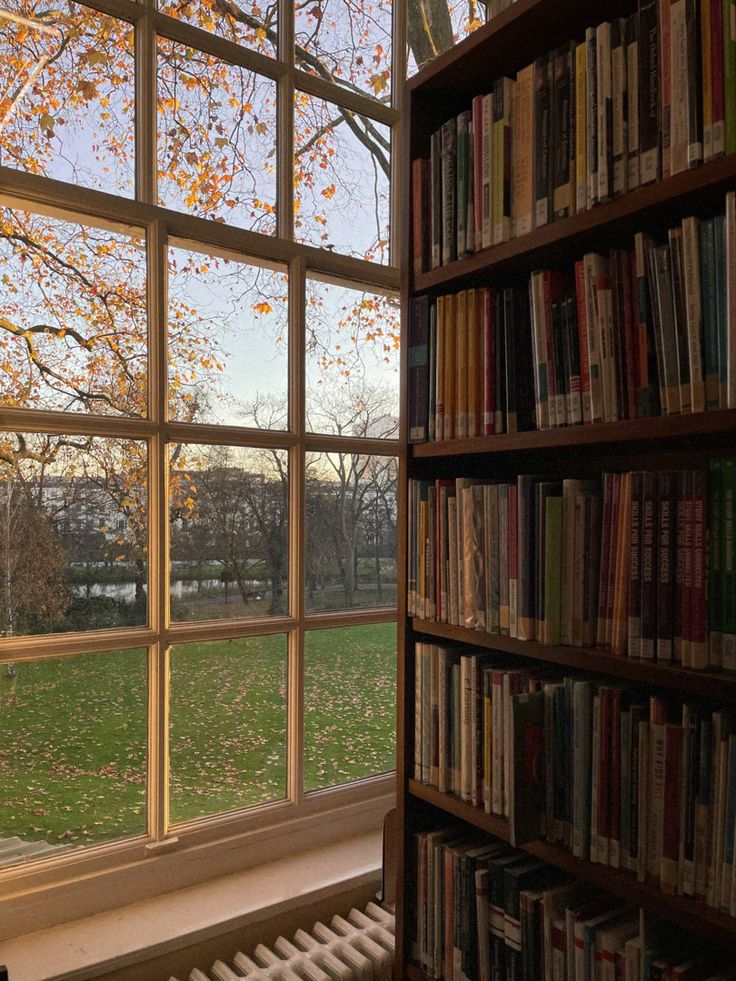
(562, 381)
(418, 368)
(542, 133)
(666, 525)
(649, 567)
(649, 155)
(500, 365)
(524, 366)
(694, 91)
(510, 334)
(561, 133)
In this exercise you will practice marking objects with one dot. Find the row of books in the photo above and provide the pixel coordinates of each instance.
(638, 99)
(488, 912)
(631, 334)
(602, 770)
(640, 564)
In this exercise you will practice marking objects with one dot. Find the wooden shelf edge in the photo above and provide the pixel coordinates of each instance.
(489, 823)
(623, 433)
(596, 219)
(710, 684)
(699, 920)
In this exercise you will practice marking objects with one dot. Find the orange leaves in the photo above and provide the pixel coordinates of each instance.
(263, 307)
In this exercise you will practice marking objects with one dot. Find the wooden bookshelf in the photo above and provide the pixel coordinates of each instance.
(701, 921)
(700, 684)
(509, 42)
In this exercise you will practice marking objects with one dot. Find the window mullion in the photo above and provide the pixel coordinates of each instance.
(145, 116)
(297, 422)
(159, 531)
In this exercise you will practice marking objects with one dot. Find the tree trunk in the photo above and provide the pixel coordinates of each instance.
(429, 29)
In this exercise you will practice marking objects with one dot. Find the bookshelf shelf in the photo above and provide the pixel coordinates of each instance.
(720, 685)
(706, 923)
(524, 31)
(617, 220)
(674, 428)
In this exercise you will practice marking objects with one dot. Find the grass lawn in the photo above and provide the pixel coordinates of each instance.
(73, 746)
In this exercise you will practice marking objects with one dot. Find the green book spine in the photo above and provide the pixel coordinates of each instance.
(729, 72)
(552, 568)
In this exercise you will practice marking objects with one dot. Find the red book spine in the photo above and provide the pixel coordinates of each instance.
(477, 106)
(583, 340)
(630, 327)
(489, 364)
(718, 98)
(671, 816)
(420, 214)
(698, 614)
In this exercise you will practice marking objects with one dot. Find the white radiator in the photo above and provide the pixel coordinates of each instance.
(359, 948)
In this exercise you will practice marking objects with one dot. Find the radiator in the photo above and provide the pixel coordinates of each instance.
(359, 948)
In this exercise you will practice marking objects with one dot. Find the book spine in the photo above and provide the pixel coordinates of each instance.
(730, 267)
(619, 99)
(523, 148)
(489, 408)
(678, 86)
(635, 555)
(694, 310)
(632, 73)
(605, 111)
(591, 78)
(728, 564)
(526, 551)
(694, 90)
(649, 576)
(680, 318)
(476, 198)
(561, 133)
(669, 868)
(698, 599)
(487, 170)
(462, 182)
(729, 75)
(714, 575)
(706, 78)
(666, 569)
(449, 192)
(542, 133)
(581, 141)
(649, 84)
(435, 206)
(420, 213)
(665, 88)
(717, 72)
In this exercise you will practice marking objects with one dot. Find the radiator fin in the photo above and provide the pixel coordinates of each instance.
(360, 947)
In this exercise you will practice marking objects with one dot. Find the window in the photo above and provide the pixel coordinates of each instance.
(198, 418)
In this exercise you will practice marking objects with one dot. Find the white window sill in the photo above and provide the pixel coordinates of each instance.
(84, 949)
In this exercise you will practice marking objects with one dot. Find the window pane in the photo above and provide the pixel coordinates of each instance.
(216, 139)
(227, 726)
(352, 361)
(72, 751)
(341, 174)
(349, 704)
(72, 316)
(351, 531)
(347, 42)
(229, 532)
(67, 79)
(234, 316)
(249, 23)
(452, 21)
(73, 533)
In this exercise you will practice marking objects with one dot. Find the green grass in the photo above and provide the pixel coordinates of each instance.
(73, 751)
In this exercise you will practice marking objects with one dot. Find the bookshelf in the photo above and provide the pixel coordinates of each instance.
(509, 42)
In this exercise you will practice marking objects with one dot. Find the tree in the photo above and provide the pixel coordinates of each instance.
(73, 325)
